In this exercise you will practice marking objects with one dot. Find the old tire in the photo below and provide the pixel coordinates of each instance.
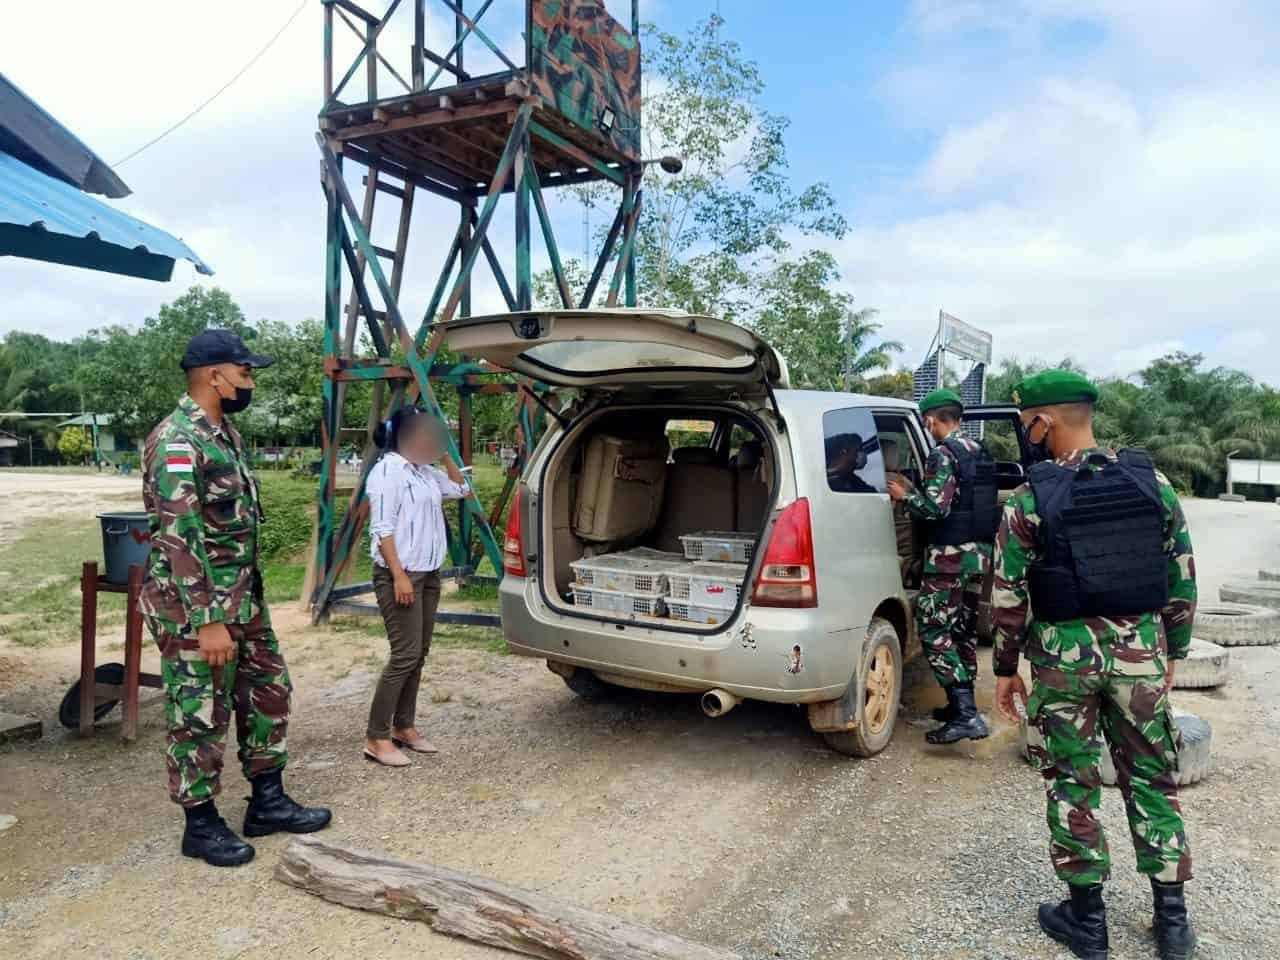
(1237, 624)
(1206, 665)
(1195, 758)
(1263, 593)
(878, 693)
(1194, 751)
(69, 709)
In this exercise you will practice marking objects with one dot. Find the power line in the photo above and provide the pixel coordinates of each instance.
(220, 91)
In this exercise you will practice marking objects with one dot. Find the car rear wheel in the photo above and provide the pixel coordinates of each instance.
(878, 690)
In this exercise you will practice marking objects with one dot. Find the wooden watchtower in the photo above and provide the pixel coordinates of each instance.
(562, 109)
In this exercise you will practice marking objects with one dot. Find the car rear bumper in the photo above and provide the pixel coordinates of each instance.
(752, 656)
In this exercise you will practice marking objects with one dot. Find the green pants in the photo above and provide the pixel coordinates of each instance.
(200, 702)
(947, 612)
(1067, 713)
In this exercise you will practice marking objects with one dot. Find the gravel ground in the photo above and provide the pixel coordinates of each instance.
(743, 831)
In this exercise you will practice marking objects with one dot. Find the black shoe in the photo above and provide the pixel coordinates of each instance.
(208, 838)
(966, 723)
(1175, 938)
(1080, 923)
(271, 810)
(944, 714)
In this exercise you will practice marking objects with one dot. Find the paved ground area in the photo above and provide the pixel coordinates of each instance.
(743, 831)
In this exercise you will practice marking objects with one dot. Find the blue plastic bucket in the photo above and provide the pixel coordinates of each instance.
(126, 540)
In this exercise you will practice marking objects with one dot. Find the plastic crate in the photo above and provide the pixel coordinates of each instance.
(696, 613)
(620, 571)
(718, 546)
(617, 602)
(708, 584)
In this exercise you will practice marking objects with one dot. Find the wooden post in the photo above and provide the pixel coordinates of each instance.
(132, 655)
(88, 644)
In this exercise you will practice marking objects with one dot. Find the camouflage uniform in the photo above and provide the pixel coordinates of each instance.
(204, 511)
(947, 608)
(1099, 673)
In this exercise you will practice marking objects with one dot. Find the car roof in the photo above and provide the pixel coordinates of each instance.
(802, 402)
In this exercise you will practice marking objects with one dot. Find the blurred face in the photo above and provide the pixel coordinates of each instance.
(420, 440)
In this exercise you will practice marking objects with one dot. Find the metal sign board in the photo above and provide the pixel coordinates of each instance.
(964, 339)
(1254, 471)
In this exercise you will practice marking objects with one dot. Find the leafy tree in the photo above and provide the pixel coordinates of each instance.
(136, 375)
(900, 384)
(75, 445)
(825, 341)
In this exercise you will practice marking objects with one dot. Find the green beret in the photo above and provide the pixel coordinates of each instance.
(941, 398)
(1051, 387)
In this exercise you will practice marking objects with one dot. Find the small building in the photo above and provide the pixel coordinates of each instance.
(106, 440)
(8, 444)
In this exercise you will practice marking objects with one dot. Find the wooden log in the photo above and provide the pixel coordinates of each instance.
(476, 908)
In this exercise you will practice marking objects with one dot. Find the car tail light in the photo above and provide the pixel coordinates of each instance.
(513, 544)
(787, 576)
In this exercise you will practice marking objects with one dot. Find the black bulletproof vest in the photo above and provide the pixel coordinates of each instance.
(975, 511)
(1101, 540)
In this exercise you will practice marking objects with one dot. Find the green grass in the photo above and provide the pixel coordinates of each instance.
(40, 602)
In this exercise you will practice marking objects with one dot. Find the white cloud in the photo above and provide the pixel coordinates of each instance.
(1108, 211)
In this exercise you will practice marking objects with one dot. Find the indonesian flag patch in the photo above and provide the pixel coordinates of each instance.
(179, 458)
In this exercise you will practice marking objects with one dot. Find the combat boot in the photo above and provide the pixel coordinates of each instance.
(1080, 923)
(208, 838)
(271, 810)
(944, 714)
(965, 723)
(1175, 938)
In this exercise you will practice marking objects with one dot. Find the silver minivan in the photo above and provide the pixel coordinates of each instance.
(681, 425)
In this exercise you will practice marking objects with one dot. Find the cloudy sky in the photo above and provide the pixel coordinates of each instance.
(1079, 177)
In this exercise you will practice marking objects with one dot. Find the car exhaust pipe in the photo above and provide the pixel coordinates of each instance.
(716, 703)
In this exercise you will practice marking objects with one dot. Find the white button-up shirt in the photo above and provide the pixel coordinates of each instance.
(405, 504)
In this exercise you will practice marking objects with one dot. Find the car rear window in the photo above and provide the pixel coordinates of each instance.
(855, 463)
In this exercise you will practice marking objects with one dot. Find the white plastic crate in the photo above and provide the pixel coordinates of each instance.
(617, 602)
(708, 584)
(719, 546)
(694, 613)
(631, 572)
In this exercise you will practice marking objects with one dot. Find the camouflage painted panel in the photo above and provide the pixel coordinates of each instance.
(587, 65)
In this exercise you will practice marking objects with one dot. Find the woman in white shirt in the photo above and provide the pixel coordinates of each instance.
(407, 532)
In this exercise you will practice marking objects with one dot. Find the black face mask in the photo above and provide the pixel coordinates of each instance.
(242, 399)
(1036, 452)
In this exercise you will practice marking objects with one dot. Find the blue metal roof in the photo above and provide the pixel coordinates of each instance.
(64, 225)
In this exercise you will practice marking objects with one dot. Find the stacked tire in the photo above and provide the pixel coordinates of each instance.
(1239, 624)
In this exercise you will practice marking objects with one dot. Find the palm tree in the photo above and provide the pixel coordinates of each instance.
(860, 357)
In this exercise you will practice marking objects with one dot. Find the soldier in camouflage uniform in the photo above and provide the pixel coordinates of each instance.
(1095, 585)
(961, 523)
(204, 604)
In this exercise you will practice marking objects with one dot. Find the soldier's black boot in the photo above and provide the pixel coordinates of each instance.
(271, 810)
(944, 714)
(965, 723)
(1080, 923)
(208, 838)
(1175, 938)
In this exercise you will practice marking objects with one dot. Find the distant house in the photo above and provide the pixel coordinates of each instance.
(8, 443)
(109, 441)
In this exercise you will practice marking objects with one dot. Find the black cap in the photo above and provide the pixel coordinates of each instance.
(213, 346)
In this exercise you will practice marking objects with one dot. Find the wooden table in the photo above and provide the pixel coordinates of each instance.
(91, 692)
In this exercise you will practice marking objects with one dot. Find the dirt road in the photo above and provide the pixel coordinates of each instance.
(743, 831)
